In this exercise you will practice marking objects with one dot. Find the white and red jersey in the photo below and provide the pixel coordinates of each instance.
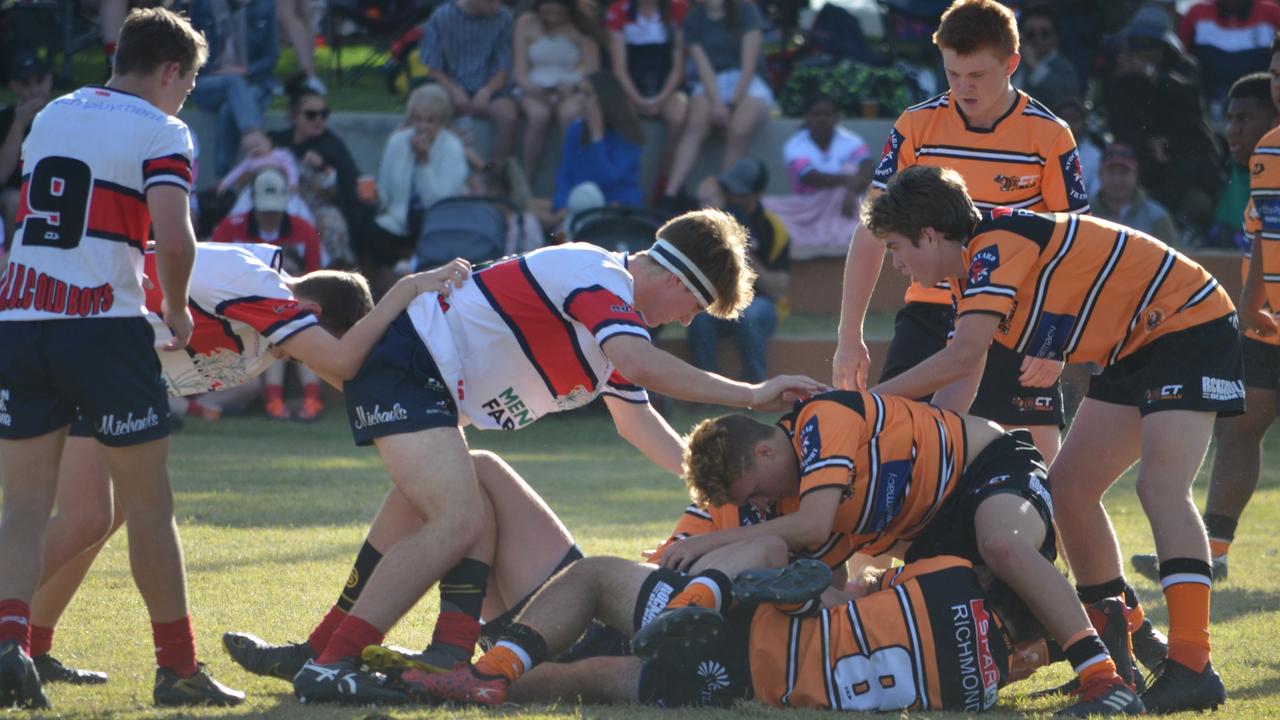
(83, 221)
(241, 305)
(523, 337)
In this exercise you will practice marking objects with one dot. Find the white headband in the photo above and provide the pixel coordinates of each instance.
(666, 255)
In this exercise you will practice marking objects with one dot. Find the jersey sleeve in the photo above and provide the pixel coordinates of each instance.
(168, 159)
(826, 437)
(623, 389)
(1264, 191)
(259, 298)
(605, 313)
(1063, 185)
(999, 263)
(898, 154)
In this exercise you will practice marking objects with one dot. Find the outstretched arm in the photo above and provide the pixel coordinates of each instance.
(959, 360)
(642, 426)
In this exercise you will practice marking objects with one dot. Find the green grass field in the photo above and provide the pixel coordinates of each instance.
(272, 514)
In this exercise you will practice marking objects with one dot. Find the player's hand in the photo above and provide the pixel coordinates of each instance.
(1260, 321)
(442, 279)
(180, 323)
(1039, 372)
(850, 365)
(683, 554)
(779, 392)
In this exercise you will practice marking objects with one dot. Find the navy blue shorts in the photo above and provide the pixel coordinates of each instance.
(103, 368)
(398, 389)
(1261, 364)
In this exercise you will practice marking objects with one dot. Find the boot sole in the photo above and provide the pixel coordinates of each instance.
(800, 581)
(676, 633)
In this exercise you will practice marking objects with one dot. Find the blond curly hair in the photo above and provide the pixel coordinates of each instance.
(717, 452)
(717, 243)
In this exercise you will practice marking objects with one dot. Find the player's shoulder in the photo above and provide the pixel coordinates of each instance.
(937, 102)
(1269, 144)
(1003, 222)
(835, 403)
(1038, 115)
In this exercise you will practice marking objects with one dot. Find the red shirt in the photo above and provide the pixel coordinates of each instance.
(298, 238)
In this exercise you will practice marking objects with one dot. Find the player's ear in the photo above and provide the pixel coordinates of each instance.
(170, 72)
(311, 305)
(1011, 65)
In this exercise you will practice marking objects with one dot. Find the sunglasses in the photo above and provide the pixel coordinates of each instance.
(315, 114)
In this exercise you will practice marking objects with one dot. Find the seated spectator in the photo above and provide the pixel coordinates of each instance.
(237, 81)
(467, 46)
(31, 82)
(724, 39)
(830, 168)
(603, 147)
(555, 48)
(738, 191)
(1153, 105)
(1250, 114)
(327, 173)
(258, 155)
(422, 163)
(1229, 38)
(295, 19)
(1123, 200)
(646, 44)
(1076, 113)
(1044, 73)
(524, 232)
(269, 223)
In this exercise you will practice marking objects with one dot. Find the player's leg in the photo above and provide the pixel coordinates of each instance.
(312, 401)
(710, 585)
(273, 392)
(1236, 467)
(594, 680)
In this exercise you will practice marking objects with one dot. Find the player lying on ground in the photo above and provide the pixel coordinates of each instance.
(925, 636)
(531, 335)
(884, 470)
(248, 314)
(1066, 288)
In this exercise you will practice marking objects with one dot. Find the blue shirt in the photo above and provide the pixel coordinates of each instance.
(613, 163)
(469, 49)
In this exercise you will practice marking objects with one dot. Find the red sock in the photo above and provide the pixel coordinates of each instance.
(320, 636)
(349, 640)
(311, 391)
(15, 623)
(457, 629)
(175, 646)
(41, 640)
(274, 392)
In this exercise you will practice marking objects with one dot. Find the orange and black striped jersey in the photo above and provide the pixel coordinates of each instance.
(1253, 226)
(699, 520)
(895, 461)
(1264, 197)
(1081, 289)
(1028, 159)
(927, 641)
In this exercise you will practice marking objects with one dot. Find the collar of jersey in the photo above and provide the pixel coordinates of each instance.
(1017, 103)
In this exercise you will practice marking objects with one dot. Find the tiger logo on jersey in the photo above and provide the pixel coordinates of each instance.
(983, 264)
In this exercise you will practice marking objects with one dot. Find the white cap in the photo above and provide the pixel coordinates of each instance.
(270, 191)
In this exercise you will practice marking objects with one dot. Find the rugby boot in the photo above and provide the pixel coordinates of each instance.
(802, 580)
(344, 682)
(1176, 687)
(312, 409)
(1150, 645)
(276, 409)
(599, 640)
(1148, 566)
(676, 633)
(1104, 696)
(261, 658)
(393, 660)
(52, 670)
(1108, 618)
(460, 685)
(19, 682)
(199, 689)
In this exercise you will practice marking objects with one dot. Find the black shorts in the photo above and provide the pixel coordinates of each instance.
(715, 676)
(398, 389)
(1200, 368)
(920, 330)
(104, 368)
(1010, 464)
(1261, 364)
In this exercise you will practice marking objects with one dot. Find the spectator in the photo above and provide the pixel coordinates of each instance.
(1044, 73)
(555, 48)
(238, 80)
(738, 191)
(603, 147)
(422, 163)
(830, 168)
(724, 39)
(294, 18)
(1250, 114)
(258, 155)
(327, 173)
(467, 46)
(31, 82)
(1154, 106)
(1230, 38)
(269, 223)
(1076, 113)
(1123, 200)
(524, 232)
(646, 43)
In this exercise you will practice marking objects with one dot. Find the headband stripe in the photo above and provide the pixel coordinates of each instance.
(672, 259)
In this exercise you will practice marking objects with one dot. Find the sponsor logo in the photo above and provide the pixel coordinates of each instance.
(984, 262)
(714, 677)
(1041, 491)
(115, 427)
(378, 416)
(889, 158)
(1154, 318)
(656, 603)
(436, 385)
(622, 309)
(996, 480)
(1269, 211)
(1040, 403)
(810, 442)
(1009, 183)
(5, 418)
(1073, 175)
(979, 676)
(25, 288)
(1052, 332)
(1220, 389)
(893, 480)
(1164, 392)
(508, 411)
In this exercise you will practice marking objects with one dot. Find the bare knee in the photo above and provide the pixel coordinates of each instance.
(772, 551)
(88, 525)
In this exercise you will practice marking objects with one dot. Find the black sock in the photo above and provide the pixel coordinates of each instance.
(462, 589)
(1220, 527)
(1090, 594)
(366, 560)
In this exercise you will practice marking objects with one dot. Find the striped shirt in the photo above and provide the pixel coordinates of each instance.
(1262, 216)
(469, 49)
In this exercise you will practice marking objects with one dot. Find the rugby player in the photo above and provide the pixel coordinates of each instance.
(1012, 151)
(1068, 288)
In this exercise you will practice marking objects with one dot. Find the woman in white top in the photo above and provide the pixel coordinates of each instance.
(555, 45)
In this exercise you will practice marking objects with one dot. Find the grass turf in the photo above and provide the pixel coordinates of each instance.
(271, 515)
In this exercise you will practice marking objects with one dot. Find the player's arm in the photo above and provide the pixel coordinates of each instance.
(641, 425)
(658, 370)
(1253, 294)
(175, 256)
(962, 360)
(337, 360)
(862, 266)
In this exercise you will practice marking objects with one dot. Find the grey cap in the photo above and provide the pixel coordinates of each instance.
(747, 176)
